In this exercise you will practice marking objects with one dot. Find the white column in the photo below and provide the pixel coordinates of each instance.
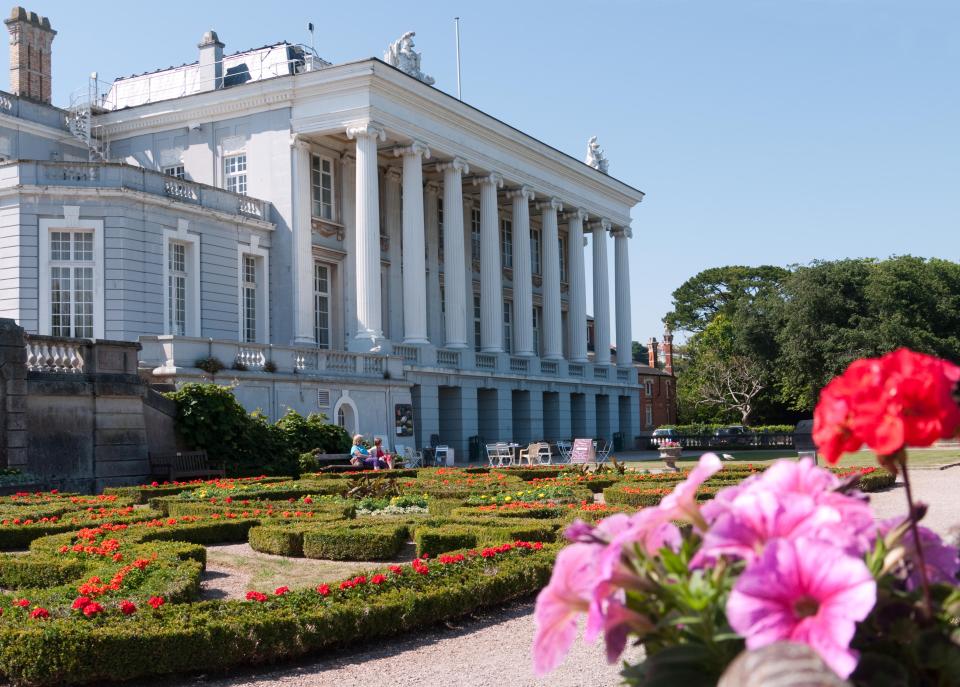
(414, 259)
(552, 322)
(601, 294)
(393, 222)
(431, 202)
(621, 259)
(455, 298)
(303, 316)
(522, 284)
(491, 281)
(369, 329)
(577, 295)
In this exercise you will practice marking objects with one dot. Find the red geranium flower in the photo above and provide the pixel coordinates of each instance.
(81, 601)
(898, 400)
(127, 607)
(39, 613)
(378, 579)
(156, 601)
(323, 589)
(280, 591)
(22, 603)
(256, 596)
(92, 608)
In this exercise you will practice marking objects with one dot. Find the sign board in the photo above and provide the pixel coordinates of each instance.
(582, 451)
(403, 418)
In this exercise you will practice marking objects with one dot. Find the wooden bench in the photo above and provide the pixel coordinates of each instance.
(184, 464)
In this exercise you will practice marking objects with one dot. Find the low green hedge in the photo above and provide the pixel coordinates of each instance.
(214, 635)
(358, 543)
(529, 473)
(407, 473)
(144, 492)
(537, 512)
(641, 497)
(38, 571)
(277, 540)
(436, 538)
(14, 537)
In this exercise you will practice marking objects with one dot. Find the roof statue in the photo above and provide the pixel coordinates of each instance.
(595, 156)
(401, 55)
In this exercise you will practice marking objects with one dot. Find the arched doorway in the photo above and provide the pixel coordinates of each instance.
(345, 414)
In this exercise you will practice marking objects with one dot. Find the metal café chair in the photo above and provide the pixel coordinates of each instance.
(411, 458)
(563, 448)
(602, 449)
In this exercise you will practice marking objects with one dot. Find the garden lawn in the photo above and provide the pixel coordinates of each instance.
(919, 458)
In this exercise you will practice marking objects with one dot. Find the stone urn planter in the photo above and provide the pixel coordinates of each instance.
(669, 454)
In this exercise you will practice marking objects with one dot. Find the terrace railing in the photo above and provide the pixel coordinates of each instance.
(759, 440)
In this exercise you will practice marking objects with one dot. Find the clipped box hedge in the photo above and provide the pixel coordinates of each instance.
(365, 543)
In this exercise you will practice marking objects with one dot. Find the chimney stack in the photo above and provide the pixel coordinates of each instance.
(210, 76)
(652, 352)
(668, 351)
(30, 51)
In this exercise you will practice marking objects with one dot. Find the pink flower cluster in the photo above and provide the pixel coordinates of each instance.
(802, 542)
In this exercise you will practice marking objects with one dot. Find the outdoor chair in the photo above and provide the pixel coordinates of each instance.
(504, 455)
(543, 456)
(493, 455)
(411, 458)
(602, 448)
(563, 448)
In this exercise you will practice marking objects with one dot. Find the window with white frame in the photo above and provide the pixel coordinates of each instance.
(476, 321)
(648, 388)
(321, 180)
(443, 309)
(177, 277)
(475, 232)
(235, 173)
(506, 242)
(71, 280)
(535, 251)
(249, 298)
(648, 415)
(507, 326)
(563, 259)
(536, 329)
(321, 304)
(176, 171)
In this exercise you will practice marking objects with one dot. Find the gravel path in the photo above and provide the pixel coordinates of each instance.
(493, 650)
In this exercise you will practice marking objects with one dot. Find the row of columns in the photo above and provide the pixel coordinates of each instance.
(420, 225)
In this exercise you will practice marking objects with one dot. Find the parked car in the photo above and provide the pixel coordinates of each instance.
(663, 435)
(734, 435)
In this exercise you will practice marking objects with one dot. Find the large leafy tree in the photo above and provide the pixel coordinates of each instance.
(721, 290)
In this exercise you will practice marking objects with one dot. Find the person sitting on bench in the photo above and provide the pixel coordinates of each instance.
(361, 458)
(385, 460)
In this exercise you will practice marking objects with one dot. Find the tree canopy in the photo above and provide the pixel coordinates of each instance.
(799, 327)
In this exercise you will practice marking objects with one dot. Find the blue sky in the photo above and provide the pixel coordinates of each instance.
(762, 131)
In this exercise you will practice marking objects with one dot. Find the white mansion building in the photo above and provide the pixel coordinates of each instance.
(342, 238)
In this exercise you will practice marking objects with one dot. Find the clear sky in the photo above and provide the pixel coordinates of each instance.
(762, 131)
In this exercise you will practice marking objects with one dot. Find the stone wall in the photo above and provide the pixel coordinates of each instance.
(74, 414)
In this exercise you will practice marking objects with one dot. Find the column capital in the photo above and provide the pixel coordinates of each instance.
(577, 213)
(418, 148)
(432, 187)
(550, 204)
(298, 142)
(602, 224)
(493, 178)
(622, 232)
(457, 163)
(393, 174)
(522, 192)
(371, 129)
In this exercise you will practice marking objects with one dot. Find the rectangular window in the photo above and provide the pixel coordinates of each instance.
(476, 321)
(563, 259)
(321, 304)
(535, 251)
(321, 180)
(177, 289)
(249, 298)
(507, 326)
(71, 284)
(235, 173)
(648, 413)
(475, 232)
(648, 388)
(176, 171)
(506, 242)
(536, 330)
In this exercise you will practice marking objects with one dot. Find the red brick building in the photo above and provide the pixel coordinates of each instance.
(658, 386)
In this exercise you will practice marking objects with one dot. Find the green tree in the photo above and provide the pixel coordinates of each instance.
(639, 352)
(721, 290)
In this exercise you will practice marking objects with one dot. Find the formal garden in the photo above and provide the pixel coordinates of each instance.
(696, 565)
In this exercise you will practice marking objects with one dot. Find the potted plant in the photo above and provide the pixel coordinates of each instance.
(670, 449)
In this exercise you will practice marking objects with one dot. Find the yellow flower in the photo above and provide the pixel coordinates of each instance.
(519, 493)
(507, 498)
(540, 496)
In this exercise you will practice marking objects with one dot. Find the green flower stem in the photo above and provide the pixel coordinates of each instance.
(927, 606)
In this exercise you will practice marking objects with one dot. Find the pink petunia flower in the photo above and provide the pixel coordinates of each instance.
(790, 499)
(942, 560)
(560, 604)
(806, 591)
(681, 503)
